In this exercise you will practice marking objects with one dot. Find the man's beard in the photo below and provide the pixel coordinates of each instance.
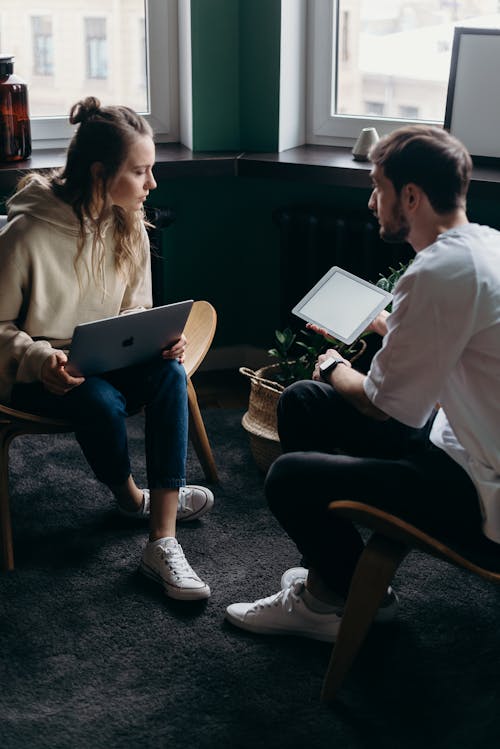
(398, 229)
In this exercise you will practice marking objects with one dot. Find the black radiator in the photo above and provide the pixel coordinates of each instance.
(315, 237)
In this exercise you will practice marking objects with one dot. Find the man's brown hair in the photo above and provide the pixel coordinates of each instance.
(430, 158)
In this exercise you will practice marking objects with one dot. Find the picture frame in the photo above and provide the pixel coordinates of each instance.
(473, 99)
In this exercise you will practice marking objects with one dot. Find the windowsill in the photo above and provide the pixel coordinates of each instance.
(334, 165)
(318, 164)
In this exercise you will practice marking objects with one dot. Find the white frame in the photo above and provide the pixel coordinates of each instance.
(162, 39)
(322, 127)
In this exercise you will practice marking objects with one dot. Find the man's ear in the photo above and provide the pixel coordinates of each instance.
(411, 195)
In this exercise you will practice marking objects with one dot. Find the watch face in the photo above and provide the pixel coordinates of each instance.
(328, 364)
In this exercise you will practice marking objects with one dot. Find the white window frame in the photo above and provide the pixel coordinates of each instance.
(162, 40)
(323, 127)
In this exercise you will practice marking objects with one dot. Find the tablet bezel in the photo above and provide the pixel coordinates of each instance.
(385, 299)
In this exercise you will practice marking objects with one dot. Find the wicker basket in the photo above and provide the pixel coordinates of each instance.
(260, 421)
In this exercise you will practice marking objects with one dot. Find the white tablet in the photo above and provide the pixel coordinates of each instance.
(342, 304)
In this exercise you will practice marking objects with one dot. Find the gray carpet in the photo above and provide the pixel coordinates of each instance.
(94, 655)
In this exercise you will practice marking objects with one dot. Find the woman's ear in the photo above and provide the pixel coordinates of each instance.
(97, 171)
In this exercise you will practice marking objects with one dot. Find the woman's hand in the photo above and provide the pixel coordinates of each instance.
(54, 376)
(176, 350)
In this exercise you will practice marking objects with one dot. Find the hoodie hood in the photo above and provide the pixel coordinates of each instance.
(37, 200)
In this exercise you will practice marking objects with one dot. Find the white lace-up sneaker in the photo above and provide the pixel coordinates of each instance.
(388, 607)
(164, 561)
(194, 501)
(285, 613)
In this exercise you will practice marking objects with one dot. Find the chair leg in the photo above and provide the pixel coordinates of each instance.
(198, 435)
(374, 572)
(7, 559)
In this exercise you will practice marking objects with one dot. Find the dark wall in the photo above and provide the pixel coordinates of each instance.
(225, 247)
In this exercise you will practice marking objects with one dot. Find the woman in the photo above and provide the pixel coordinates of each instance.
(75, 249)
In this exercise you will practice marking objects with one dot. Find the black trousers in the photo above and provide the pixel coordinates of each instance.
(332, 451)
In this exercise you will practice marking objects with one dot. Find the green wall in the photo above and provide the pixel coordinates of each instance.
(235, 74)
(224, 247)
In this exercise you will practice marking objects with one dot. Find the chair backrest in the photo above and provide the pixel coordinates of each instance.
(199, 331)
(482, 557)
(388, 545)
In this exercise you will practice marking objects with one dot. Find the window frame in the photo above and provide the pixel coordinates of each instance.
(162, 40)
(322, 127)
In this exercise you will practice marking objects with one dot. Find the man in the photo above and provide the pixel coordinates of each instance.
(419, 435)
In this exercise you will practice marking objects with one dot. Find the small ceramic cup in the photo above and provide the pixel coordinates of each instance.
(366, 139)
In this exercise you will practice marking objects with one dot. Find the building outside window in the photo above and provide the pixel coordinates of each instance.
(96, 48)
(122, 51)
(399, 54)
(43, 45)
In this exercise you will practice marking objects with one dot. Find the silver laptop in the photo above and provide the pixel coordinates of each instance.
(116, 342)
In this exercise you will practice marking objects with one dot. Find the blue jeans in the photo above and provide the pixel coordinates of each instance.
(99, 407)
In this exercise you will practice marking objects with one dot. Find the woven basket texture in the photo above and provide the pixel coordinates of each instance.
(260, 421)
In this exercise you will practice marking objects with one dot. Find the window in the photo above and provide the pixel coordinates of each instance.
(409, 112)
(374, 108)
(96, 48)
(381, 63)
(43, 57)
(122, 51)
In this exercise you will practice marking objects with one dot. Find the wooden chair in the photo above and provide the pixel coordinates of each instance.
(200, 330)
(390, 542)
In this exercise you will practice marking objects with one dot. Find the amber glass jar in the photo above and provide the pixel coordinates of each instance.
(15, 131)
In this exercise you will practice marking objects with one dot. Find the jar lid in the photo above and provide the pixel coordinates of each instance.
(6, 64)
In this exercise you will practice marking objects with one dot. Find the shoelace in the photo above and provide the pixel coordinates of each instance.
(174, 557)
(287, 597)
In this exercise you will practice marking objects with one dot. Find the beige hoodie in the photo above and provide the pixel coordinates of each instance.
(40, 298)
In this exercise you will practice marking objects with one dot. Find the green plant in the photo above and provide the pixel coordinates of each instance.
(297, 357)
(387, 283)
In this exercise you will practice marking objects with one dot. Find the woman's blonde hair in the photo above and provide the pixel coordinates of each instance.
(103, 135)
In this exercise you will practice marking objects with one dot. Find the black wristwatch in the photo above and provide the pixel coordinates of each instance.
(327, 367)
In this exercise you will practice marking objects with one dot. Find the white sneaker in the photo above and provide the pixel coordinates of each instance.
(142, 513)
(285, 613)
(164, 561)
(194, 501)
(388, 607)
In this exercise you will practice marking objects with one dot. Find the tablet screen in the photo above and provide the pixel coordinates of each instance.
(343, 304)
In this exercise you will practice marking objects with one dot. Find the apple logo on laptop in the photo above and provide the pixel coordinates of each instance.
(128, 341)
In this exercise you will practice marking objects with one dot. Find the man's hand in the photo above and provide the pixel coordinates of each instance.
(331, 352)
(177, 350)
(379, 325)
(320, 331)
(54, 376)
